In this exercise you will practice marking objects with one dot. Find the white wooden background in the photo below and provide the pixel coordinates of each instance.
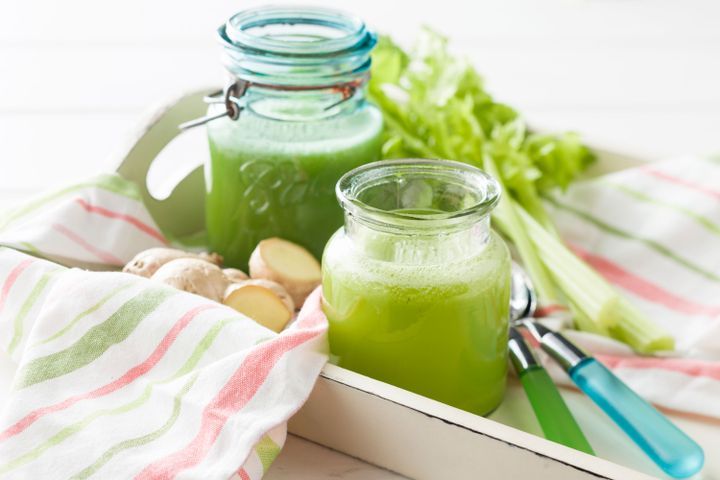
(638, 75)
(76, 74)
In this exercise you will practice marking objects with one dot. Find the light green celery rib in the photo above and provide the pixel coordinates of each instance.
(584, 287)
(139, 441)
(596, 298)
(583, 322)
(414, 142)
(702, 220)
(78, 426)
(639, 332)
(533, 205)
(652, 244)
(83, 314)
(111, 183)
(30, 301)
(507, 219)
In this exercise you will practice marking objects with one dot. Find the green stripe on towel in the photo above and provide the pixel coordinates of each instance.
(139, 441)
(32, 298)
(97, 339)
(111, 183)
(267, 451)
(652, 244)
(702, 220)
(202, 346)
(84, 314)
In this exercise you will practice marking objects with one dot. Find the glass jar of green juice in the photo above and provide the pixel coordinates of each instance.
(416, 285)
(292, 120)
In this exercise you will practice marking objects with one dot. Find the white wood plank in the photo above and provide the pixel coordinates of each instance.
(652, 135)
(190, 22)
(300, 460)
(41, 151)
(98, 78)
(588, 54)
(378, 422)
(601, 78)
(128, 78)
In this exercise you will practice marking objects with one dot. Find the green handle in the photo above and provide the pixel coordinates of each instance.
(552, 413)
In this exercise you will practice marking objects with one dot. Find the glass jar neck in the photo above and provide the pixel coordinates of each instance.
(418, 211)
(299, 63)
(303, 104)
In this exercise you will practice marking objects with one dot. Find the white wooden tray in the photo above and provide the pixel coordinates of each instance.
(362, 417)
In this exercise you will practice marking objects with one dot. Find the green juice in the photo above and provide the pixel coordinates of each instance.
(439, 330)
(274, 177)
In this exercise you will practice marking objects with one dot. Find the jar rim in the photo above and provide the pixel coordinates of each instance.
(292, 45)
(353, 183)
(237, 30)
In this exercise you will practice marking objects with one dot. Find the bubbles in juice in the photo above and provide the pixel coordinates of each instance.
(271, 178)
(439, 330)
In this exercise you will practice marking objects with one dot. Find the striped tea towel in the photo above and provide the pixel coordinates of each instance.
(98, 222)
(654, 232)
(121, 377)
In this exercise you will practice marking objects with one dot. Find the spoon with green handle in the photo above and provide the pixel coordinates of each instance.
(552, 413)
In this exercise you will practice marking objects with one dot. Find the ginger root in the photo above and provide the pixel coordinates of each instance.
(235, 276)
(288, 264)
(266, 302)
(283, 275)
(147, 262)
(194, 275)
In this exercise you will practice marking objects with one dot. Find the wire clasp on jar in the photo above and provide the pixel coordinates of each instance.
(231, 97)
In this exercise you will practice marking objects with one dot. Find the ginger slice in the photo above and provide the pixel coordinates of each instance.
(288, 264)
(147, 262)
(194, 275)
(264, 301)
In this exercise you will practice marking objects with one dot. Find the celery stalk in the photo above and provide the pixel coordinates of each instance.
(531, 202)
(506, 219)
(583, 322)
(590, 294)
(639, 332)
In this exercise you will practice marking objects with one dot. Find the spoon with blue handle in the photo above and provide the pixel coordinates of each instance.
(668, 446)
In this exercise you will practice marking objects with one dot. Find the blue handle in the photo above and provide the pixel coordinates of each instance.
(673, 451)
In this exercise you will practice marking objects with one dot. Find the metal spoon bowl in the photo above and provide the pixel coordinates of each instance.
(523, 299)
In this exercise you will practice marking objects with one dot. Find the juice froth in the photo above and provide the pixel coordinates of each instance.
(439, 330)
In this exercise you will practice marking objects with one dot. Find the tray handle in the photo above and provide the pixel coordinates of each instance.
(135, 159)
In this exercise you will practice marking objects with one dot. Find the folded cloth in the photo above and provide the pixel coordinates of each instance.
(122, 377)
(102, 221)
(654, 232)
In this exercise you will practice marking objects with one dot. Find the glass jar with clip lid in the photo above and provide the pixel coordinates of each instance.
(290, 123)
(416, 285)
